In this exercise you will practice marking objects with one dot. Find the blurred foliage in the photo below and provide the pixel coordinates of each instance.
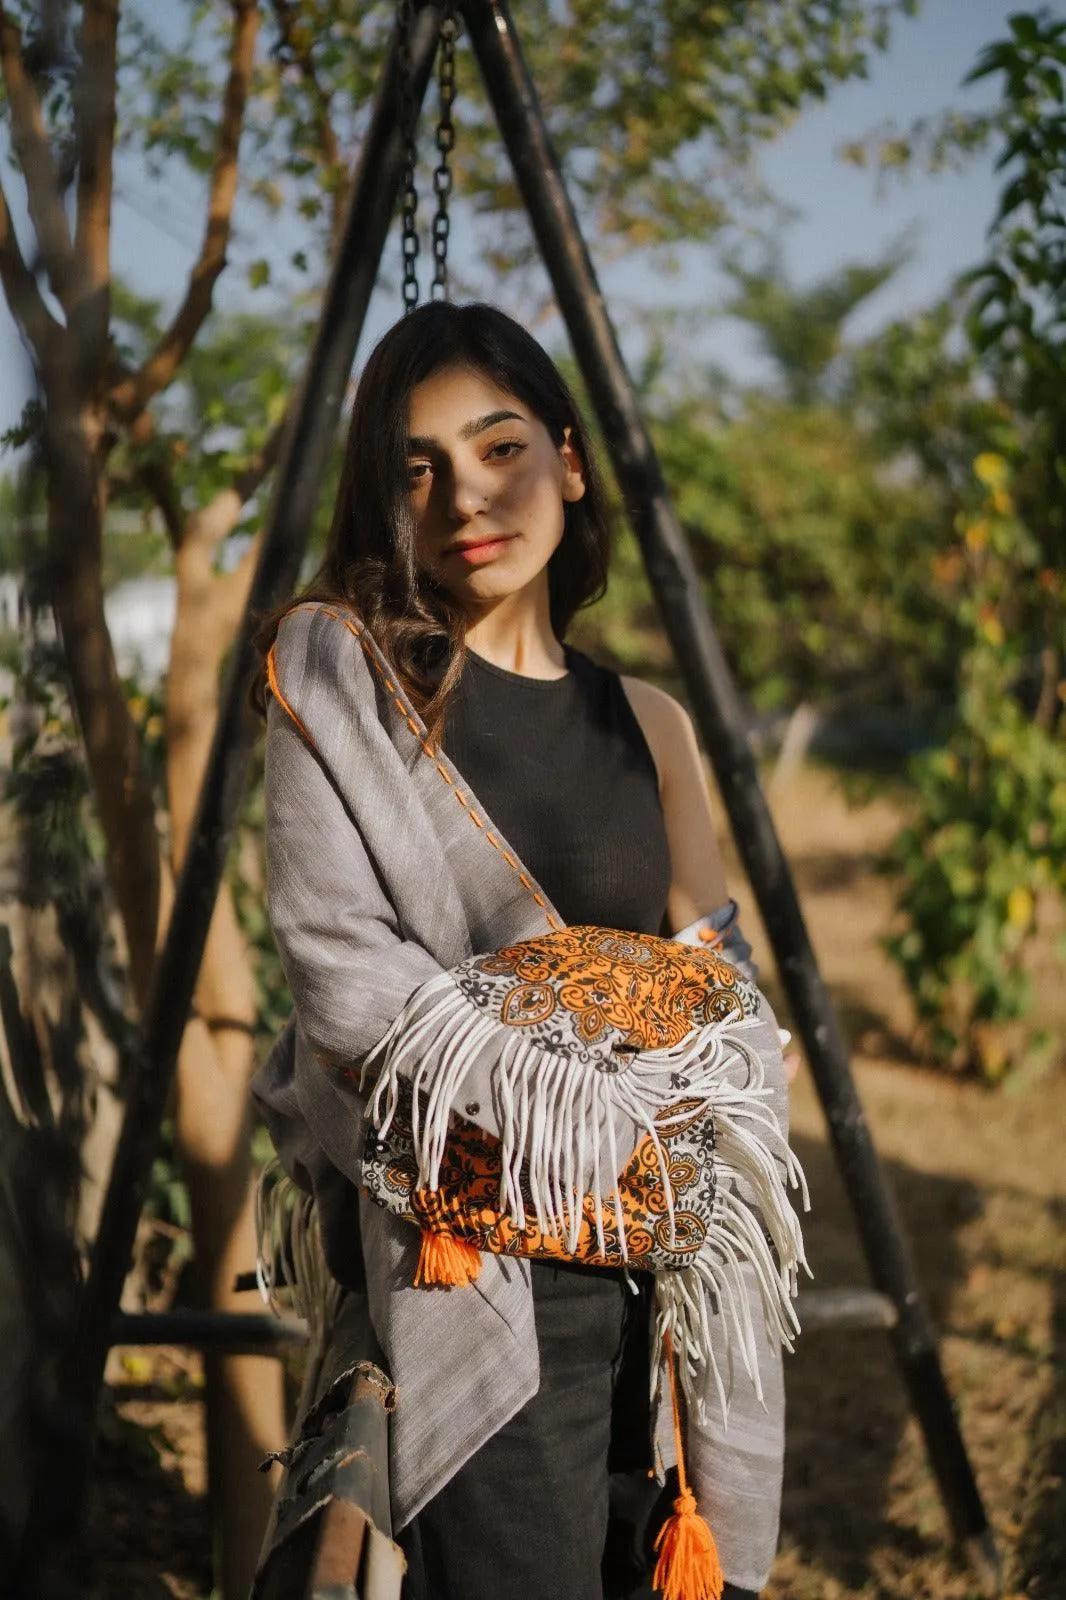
(22, 511)
(214, 419)
(949, 140)
(812, 523)
(46, 784)
(801, 330)
(989, 835)
(1018, 317)
(814, 566)
(655, 109)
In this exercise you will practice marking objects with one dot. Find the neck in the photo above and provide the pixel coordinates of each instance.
(516, 634)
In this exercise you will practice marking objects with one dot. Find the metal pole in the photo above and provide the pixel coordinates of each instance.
(56, 1510)
(720, 717)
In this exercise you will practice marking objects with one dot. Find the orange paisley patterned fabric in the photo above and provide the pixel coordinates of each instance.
(651, 991)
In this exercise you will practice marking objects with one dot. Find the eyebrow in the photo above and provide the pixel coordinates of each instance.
(469, 430)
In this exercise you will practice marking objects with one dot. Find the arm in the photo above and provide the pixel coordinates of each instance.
(698, 877)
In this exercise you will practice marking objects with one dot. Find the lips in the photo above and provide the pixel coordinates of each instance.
(475, 552)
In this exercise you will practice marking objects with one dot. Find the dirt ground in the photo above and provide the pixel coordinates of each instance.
(981, 1184)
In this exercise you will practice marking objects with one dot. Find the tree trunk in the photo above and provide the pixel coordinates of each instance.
(58, 1108)
(245, 1393)
(245, 1397)
(123, 795)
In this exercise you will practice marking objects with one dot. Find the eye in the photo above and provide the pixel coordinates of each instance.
(418, 473)
(503, 449)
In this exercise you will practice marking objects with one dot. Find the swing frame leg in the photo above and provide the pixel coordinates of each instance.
(720, 717)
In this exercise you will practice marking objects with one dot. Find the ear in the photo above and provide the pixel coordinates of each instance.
(573, 469)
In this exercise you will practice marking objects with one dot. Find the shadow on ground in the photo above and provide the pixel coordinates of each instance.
(847, 1405)
(858, 1506)
(1042, 1541)
(149, 1535)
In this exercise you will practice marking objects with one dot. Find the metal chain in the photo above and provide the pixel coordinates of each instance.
(442, 173)
(405, 17)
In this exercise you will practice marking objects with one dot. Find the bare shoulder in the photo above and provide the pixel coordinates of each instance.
(655, 702)
(665, 724)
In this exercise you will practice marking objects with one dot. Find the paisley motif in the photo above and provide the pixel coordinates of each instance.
(529, 1003)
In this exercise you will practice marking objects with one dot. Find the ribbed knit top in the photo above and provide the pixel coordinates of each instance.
(563, 770)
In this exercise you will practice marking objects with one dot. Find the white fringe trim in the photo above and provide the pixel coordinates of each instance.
(289, 1254)
(762, 1233)
(557, 1118)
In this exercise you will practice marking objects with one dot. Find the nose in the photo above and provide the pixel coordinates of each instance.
(468, 494)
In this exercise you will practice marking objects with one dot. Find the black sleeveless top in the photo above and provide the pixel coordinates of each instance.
(563, 770)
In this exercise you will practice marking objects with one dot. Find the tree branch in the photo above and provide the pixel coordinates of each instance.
(297, 39)
(150, 469)
(154, 475)
(130, 396)
(94, 105)
(29, 138)
(22, 293)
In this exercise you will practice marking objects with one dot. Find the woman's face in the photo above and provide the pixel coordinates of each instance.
(487, 487)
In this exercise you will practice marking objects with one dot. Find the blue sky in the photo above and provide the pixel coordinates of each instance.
(844, 213)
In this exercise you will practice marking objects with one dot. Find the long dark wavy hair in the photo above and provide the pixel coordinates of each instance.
(371, 561)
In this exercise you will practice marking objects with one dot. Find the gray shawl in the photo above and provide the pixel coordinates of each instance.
(383, 871)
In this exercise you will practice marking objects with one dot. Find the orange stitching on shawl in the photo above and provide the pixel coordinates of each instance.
(527, 884)
(360, 634)
(272, 680)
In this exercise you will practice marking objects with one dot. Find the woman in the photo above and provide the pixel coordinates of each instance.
(428, 667)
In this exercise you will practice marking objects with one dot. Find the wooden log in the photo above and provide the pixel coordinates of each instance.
(331, 1534)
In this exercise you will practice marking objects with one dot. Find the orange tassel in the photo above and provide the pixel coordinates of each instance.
(446, 1261)
(688, 1567)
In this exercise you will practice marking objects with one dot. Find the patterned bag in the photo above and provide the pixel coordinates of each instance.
(588, 1028)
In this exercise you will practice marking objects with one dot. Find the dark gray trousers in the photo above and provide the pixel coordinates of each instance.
(527, 1516)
